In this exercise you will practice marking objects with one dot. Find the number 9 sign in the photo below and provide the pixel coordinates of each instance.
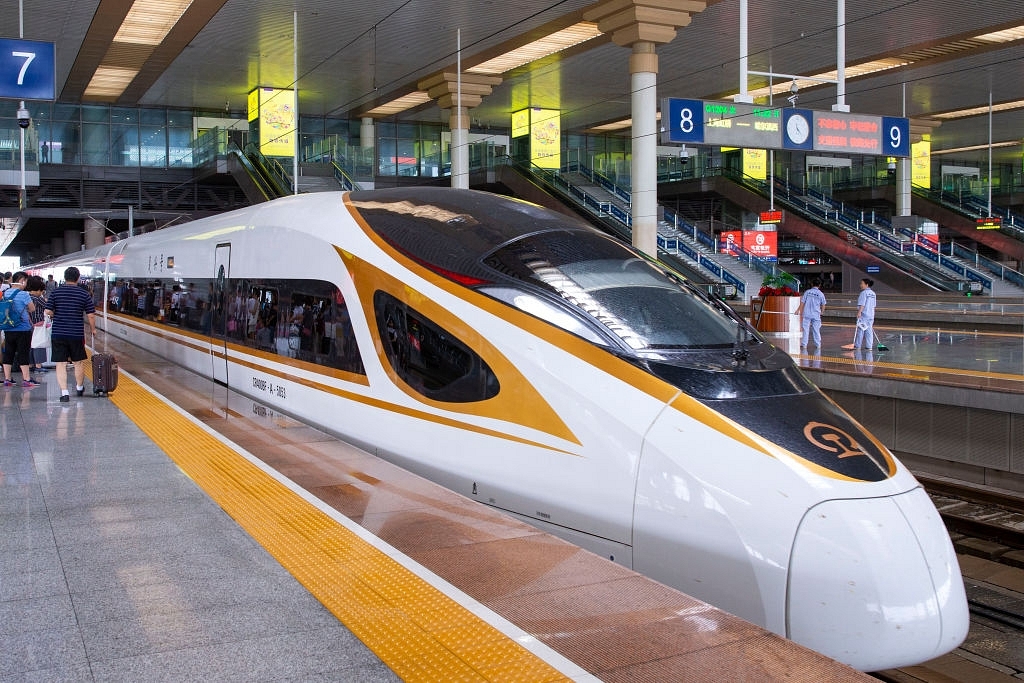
(27, 69)
(895, 136)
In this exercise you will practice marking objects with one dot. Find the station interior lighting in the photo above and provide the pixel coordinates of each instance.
(513, 59)
(144, 27)
(413, 99)
(538, 49)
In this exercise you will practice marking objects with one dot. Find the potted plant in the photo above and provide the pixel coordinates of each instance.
(779, 297)
(779, 284)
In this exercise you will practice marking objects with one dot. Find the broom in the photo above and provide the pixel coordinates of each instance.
(881, 346)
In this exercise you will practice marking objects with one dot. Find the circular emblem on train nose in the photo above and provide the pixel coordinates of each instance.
(832, 439)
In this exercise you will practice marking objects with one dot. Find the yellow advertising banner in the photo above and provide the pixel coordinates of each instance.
(254, 104)
(755, 163)
(921, 159)
(546, 138)
(520, 123)
(277, 122)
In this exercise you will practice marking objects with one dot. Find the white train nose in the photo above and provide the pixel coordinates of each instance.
(876, 580)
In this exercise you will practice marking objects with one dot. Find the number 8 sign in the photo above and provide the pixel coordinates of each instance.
(27, 69)
(682, 120)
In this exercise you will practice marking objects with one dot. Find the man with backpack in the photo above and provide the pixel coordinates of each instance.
(15, 306)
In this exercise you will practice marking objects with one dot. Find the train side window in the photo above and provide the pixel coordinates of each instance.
(305, 319)
(428, 358)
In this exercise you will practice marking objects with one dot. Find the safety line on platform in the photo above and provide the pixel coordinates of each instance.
(407, 616)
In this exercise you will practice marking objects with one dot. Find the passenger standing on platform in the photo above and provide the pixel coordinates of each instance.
(36, 289)
(812, 304)
(864, 336)
(18, 341)
(66, 306)
(51, 285)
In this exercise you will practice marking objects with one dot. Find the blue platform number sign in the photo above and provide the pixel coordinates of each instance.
(895, 137)
(27, 69)
(682, 120)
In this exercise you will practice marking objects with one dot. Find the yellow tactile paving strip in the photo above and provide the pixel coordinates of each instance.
(416, 630)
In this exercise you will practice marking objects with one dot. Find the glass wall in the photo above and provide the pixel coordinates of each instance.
(410, 150)
(103, 135)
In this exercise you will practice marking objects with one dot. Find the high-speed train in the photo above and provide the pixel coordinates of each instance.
(524, 359)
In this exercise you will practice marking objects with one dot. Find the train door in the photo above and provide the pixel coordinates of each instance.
(218, 338)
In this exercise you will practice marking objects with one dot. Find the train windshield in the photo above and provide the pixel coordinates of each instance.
(651, 311)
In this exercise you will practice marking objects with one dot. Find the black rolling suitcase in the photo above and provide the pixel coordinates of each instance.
(104, 373)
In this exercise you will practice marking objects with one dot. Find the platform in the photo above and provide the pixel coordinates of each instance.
(178, 531)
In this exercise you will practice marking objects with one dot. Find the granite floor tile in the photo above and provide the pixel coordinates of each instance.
(34, 650)
(36, 614)
(285, 657)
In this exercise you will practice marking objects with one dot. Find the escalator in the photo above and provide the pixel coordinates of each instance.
(260, 178)
(893, 271)
(958, 217)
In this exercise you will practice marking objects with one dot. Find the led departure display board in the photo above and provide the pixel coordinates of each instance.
(734, 124)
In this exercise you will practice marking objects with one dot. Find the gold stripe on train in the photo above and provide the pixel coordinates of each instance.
(158, 330)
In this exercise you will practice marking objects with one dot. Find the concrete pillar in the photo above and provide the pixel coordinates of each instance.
(367, 154)
(643, 25)
(368, 139)
(643, 75)
(459, 95)
(72, 241)
(95, 231)
(56, 246)
(458, 123)
(903, 194)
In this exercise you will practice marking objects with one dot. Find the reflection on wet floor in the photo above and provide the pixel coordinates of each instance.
(985, 359)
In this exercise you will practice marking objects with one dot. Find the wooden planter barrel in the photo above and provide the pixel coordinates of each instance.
(775, 314)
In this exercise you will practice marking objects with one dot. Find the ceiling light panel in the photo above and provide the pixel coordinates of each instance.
(149, 21)
(409, 101)
(531, 52)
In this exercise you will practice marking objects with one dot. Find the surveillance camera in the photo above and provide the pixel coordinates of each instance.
(792, 100)
(24, 119)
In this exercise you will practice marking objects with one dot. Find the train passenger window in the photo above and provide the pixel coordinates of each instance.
(304, 319)
(428, 358)
(649, 310)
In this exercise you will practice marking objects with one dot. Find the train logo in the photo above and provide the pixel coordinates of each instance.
(832, 439)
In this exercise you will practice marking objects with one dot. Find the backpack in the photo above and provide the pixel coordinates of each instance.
(9, 317)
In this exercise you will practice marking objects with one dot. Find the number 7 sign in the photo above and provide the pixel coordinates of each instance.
(27, 69)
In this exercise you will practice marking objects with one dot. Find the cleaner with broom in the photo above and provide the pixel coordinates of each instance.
(864, 337)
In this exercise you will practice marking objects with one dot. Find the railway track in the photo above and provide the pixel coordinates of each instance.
(983, 514)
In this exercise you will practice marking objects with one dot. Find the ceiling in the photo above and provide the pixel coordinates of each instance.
(352, 56)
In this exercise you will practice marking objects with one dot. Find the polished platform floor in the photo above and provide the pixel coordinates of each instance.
(918, 352)
(115, 566)
(177, 531)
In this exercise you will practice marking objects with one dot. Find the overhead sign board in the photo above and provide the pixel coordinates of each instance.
(770, 217)
(989, 223)
(742, 125)
(27, 69)
(735, 124)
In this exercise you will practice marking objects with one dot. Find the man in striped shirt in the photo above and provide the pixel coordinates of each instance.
(67, 305)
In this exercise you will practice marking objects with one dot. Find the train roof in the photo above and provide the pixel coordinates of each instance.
(451, 229)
